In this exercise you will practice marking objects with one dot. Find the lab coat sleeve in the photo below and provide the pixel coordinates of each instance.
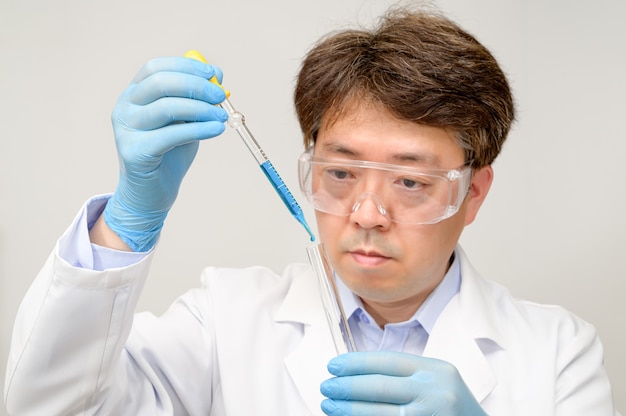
(69, 335)
(583, 386)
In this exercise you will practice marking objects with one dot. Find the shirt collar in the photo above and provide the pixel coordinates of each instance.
(427, 313)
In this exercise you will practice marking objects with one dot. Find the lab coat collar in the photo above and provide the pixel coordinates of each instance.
(302, 304)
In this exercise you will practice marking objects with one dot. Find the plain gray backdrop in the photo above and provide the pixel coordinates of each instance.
(552, 228)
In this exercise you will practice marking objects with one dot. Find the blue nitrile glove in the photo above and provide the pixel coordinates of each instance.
(158, 121)
(393, 383)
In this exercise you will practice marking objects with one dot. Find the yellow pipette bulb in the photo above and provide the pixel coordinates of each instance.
(193, 54)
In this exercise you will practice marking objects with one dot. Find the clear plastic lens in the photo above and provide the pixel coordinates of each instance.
(406, 195)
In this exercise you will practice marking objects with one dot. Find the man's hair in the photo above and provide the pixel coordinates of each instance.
(418, 65)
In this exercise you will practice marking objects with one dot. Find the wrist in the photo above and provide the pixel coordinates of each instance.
(102, 235)
(136, 230)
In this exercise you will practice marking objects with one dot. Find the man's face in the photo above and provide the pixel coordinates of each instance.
(390, 266)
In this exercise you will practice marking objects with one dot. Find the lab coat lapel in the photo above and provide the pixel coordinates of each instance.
(307, 363)
(470, 316)
(450, 342)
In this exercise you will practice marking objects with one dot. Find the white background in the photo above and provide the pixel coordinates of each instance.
(552, 229)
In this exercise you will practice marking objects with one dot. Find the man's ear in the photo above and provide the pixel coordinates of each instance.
(479, 188)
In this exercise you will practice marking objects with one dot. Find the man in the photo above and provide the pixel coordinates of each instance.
(401, 126)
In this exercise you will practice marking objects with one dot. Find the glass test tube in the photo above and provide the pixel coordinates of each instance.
(337, 321)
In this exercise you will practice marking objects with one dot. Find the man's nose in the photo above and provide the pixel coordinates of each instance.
(369, 212)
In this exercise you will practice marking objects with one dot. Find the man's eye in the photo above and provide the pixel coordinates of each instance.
(411, 184)
(338, 174)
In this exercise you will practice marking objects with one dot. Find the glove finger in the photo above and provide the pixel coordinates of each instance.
(371, 388)
(174, 84)
(218, 73)
(175, 64)
(167, 111)
(348, 408)
(377, 362)
(159, 142)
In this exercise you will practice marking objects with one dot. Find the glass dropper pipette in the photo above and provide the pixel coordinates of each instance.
(236, 120)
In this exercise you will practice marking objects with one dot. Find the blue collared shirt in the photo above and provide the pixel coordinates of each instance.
(409, 336)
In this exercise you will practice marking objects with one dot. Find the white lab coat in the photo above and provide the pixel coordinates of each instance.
(251, 342)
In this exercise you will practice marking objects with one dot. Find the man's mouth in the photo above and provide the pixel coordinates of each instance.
(368, 258)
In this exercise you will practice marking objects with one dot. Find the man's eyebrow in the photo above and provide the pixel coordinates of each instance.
(340, 149)
(421, 158)
(400, 157)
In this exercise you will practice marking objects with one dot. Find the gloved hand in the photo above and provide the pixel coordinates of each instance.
(392, 383)
(158, 121)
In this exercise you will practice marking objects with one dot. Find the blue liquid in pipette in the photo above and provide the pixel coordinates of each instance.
(285, 194)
